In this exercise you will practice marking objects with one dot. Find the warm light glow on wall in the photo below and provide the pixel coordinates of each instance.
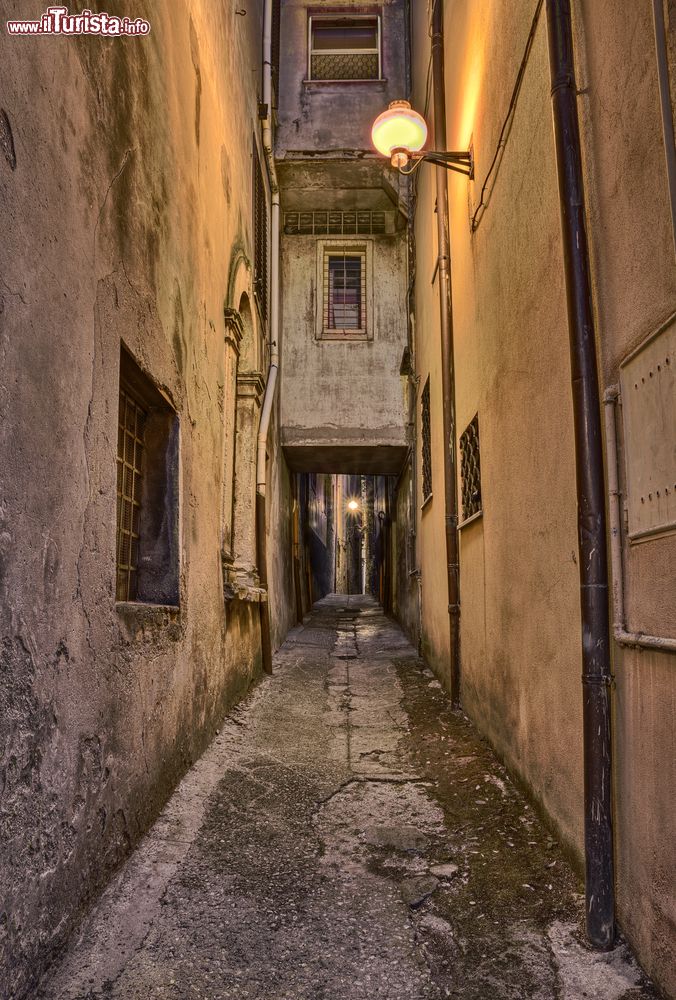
(470, 92)
(353, 505)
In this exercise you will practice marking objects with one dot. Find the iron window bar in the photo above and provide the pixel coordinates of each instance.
(344, 292)
(260, 220)
(130, 444)
(470, 470)
(426, 440)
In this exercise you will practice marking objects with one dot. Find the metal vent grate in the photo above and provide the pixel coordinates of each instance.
(362, 223)
(131, 425)
(345, 66)
(470, 470)
(426, 443)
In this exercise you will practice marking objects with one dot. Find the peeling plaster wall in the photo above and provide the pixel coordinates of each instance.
(322, 115)
(520, 623)
(336, 392)
(130, 190)
(340, 398)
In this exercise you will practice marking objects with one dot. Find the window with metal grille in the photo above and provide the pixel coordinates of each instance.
(260, 220)
(345, 292)
(147, 491)
(426, 439)
(470, 470)
(130, 431)
(361, 223)
(344, 48)
(276, 35)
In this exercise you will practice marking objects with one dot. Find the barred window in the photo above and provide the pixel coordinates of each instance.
(344, 48)
(147, 491)
(426, 439)
(344, 292)
(130, 433)
(344, 283)
(470, 470)
(260, 220)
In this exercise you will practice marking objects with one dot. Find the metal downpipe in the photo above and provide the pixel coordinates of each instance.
(447, 358)
(593, 561)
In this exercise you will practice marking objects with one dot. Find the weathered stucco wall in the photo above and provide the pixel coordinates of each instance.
(520, 631)
(340, 393)
(324, 115)
(341, 401)
(130, 193)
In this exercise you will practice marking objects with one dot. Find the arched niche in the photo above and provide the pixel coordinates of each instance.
(243, 394)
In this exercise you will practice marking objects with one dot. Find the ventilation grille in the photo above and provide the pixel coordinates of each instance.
(364, 223)
(426, 443)
(470, 470)
(345, 66)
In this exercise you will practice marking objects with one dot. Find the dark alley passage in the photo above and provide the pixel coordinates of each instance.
(346, 837)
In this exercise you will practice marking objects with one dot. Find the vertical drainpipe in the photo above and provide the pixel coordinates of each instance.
(271, 382)
(447, 359)
(600, 899)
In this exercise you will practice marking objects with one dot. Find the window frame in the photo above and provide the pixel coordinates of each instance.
(426, 471)
(470, 442)
(341, 247)
(157, 578)
(344, 15)
(260, 234)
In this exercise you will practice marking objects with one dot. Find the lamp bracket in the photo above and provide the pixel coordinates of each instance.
(460, 162)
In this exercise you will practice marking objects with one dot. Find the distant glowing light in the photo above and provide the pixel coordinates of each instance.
(353, 505)
(399, 132)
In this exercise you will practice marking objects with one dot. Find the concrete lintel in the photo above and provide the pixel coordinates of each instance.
(383, 460)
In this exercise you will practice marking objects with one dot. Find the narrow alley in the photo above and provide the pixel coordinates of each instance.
(346, 837)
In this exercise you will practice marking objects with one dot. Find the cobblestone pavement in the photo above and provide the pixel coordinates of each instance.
(346, 837)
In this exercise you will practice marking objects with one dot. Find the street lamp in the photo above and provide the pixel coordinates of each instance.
(400, 134)
(353, 505)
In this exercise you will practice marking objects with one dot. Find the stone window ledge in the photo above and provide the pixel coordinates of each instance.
(137, 616)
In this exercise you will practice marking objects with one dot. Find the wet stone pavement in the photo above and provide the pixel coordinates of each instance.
(346, 837)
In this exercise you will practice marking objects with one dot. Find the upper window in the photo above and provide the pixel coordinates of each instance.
(344, 305)
(344, 48)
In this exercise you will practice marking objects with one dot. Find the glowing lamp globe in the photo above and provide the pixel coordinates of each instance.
(399, 132)
(353, 505)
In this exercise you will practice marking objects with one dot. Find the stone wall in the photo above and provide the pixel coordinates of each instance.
(126, 210)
